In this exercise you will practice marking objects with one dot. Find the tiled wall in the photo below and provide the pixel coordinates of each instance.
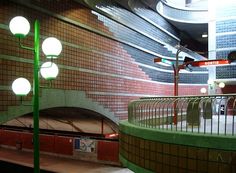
(91, 61)
(104, 151)
(225, 36)
(161, 157)
(145, 62)
(145, 36)
(141, 9)
(122, 15)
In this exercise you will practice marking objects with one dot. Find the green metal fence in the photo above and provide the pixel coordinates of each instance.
(211, 114)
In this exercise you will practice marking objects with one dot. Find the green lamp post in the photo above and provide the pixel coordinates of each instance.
(20, 27)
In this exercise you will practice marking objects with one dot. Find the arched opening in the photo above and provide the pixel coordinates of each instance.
(72, 121)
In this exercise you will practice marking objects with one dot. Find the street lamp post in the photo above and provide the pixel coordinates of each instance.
(189, 62)
(20, 27)
(176, 68)
(176, 73)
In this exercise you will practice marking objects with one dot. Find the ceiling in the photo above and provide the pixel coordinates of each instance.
(190, 33)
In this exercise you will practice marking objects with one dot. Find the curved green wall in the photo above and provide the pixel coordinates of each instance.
(145, 150)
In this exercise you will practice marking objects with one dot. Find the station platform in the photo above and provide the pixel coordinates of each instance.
(57, 164)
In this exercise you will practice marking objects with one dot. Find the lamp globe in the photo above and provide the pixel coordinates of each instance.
(21, 86)
(203, 90)
(19, 26)
(52, 47)
(49, 70)
(221, 84)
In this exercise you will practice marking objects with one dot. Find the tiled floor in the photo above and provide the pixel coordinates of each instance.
(56, 164)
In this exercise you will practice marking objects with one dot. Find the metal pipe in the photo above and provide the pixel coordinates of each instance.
(176, 82)
(36, 98)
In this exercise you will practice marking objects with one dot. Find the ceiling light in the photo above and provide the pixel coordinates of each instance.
(204, 35)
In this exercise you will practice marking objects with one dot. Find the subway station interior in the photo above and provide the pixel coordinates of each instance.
(144, 86)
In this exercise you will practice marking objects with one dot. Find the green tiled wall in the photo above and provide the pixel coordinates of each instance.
(146, 150)
(168, 158)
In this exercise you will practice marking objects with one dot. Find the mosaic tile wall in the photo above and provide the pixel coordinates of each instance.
(225, 36)
(93, 60)
(163, 157)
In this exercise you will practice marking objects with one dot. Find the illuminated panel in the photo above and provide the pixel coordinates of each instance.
(210, 63)
(163, 61)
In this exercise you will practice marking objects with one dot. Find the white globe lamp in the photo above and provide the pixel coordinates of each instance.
(21, 86)
(19, 26)
(203, 90)
(221, 84)
(51, 47)
(49, 70)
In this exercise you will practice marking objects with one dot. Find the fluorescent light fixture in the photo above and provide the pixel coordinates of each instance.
(204, 35)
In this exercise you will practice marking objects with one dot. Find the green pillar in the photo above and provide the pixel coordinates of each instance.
(36, 98)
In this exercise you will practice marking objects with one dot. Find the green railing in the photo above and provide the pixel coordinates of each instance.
(211, 114)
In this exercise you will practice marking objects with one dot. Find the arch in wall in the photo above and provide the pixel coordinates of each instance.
(51, 98)
(67, 120)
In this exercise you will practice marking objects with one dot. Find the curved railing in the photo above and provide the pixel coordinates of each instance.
(213, 114)
(182, 15)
